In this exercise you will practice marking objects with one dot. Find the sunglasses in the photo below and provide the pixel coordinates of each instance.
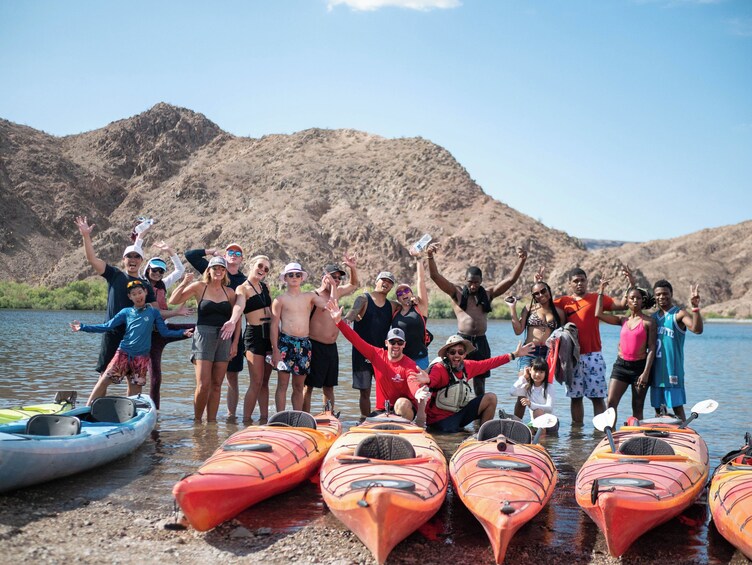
(133, 256)
(134, 284)
(456, 351)
(403, 291)
(234, 253)
(295, 275)
(336, 277)
(262, 267)
(540, 293)
(396, 342)
(157, 270)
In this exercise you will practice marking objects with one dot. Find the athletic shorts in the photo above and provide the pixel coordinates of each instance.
(459, 420)
(207, 345)
(362, 378)
(135, 367)
(670, 397)
(324, 365)
(482, 351)
(627, 371)
(295, 352)
(526, 361)
(255, 342)
(589, 377)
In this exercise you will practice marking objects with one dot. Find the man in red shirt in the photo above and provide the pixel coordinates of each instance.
(391, 368)
(590, 375)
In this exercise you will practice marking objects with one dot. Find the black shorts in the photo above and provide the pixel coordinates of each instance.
(255, 342)
(627, 371)
(236, 363)
(324, 365)
(481, 353)
(459, 420)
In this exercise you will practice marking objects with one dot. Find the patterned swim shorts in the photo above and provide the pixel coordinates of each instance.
(295, 352)
(590, 377)
(136, 368)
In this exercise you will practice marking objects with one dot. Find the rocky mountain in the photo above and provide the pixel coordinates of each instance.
(593, 244)
(309, 196)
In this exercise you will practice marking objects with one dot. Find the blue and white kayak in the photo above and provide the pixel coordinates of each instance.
(50, 446)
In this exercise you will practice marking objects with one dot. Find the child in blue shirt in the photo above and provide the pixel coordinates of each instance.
(132, 357)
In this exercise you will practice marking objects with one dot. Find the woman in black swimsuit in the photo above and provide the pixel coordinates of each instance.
(209, 352)
(254, 298)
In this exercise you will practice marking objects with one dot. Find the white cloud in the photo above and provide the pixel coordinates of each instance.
(372, 5)
(740, 26)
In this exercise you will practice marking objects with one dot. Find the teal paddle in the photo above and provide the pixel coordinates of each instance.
(703, 407)
(604, 422)
(543, 422)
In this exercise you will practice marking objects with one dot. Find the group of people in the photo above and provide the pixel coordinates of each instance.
(296, 333)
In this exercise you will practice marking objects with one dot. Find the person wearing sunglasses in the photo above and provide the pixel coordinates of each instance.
(391, 369)
(233, 257)
(254, 300)
(471, 303)
(324, 373)
(291, 344)
(454, 361)
(155, 273)
(411, 314)
(117, 292)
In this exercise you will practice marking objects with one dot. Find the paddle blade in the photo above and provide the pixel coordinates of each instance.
(545, 421)
(605, 420)
(705, 407)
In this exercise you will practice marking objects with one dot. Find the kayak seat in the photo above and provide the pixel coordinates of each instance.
(386, 447)
(512, 429)
(645, 446)
(53, 425)
(388, 427)
(113, 409)
(293, 418)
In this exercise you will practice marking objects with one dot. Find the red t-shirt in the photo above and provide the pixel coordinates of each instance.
(391, 377)
(440, 379)
(582, 313)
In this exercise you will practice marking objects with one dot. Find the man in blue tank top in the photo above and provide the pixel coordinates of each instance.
(667, 378)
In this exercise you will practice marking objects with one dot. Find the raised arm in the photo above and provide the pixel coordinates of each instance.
(85, 230)
(175, 275)
(358, 309)
(622, 303)
(422, 305)
(446, 286)
(347, 289)
(197, 258)
(599, 311)
(185, 290)
(693, 319)
(507, 283)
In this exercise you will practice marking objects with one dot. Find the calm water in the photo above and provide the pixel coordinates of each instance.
(39, 355)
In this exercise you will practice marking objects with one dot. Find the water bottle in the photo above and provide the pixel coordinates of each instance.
(280, 366)
(422, 243)
(144, 224)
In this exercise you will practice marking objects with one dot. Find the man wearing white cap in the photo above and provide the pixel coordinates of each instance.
(233, 257)
(291, 313)
(371, 316)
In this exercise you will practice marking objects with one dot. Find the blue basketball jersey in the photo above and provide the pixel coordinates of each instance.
(668, 367)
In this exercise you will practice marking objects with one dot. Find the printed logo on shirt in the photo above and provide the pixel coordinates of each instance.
(397, 378)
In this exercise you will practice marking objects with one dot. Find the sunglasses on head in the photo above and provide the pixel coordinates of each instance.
(134, 284)
(403, 291)
(262, 267)
(541, 292)
(133, 256)
(456, 351)
(234, 253)
(396, 342)
(294, 275)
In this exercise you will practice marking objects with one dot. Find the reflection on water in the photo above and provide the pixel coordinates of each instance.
(40, 355)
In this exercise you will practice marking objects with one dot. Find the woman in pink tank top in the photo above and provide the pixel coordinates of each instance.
(637, 342)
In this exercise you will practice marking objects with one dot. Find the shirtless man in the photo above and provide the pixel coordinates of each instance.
(323, 333)
(371, 316)
(471, 304)
(291, 312)
(667, 379)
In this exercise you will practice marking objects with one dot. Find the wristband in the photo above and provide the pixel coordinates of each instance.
(512, 357)
(697, 309)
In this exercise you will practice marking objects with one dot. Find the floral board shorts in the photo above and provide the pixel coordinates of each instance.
(589, 378)
(136, 368)
(295, 352)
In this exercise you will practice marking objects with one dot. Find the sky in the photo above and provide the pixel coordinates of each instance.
(608, 119)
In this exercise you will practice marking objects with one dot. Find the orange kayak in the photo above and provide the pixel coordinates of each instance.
(730, 501)
(254, 464)
(503, 484)
(383, 480)
(658, 471)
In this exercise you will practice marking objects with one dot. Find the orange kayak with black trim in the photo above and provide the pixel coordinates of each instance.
(383, 480)
(730, 501)
(657, 472)
(503, 489)
(252, 465)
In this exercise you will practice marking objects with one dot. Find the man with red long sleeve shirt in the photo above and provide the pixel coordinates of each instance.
(452, 356)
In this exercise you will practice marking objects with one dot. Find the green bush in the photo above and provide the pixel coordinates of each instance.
(78, 295)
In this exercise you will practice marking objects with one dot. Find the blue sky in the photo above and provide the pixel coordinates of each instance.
(610, 119)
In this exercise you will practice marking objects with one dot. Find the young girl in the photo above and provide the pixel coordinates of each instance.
(532, 389)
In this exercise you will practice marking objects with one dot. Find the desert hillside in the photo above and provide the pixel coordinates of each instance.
(309, 196)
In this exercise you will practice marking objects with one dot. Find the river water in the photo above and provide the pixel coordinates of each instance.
(40, 355)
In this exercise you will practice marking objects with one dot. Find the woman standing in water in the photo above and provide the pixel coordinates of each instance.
(411, 314)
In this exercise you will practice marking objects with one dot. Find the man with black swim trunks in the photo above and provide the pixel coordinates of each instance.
(472, 303)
